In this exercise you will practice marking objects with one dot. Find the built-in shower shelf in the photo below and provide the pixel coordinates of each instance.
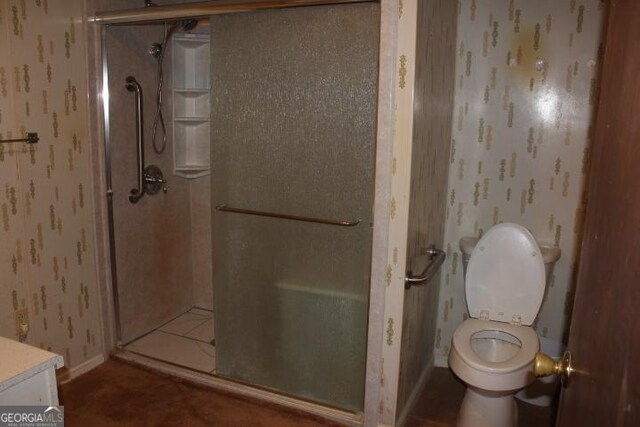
(191, 105)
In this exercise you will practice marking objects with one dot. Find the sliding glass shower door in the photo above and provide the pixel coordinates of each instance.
(293, 141)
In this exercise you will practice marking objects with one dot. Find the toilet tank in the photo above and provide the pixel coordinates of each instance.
(550, 254)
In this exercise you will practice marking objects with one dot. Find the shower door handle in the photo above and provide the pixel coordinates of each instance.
(436, 258)
(341, 223)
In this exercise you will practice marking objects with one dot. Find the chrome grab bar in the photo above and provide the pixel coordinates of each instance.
(436, 258)
(30, 138)
(225, 208)
(132, 85)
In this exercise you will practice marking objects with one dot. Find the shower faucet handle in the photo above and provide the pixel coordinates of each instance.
(154, 181)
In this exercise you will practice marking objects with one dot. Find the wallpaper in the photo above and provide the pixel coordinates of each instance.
(525, 92)
(47, 266)
(433, 107)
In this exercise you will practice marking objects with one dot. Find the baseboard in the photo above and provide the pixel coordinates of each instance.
(67, 374)
(415, 393)
(441, 361)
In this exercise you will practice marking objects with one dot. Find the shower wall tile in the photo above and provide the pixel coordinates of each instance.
(526, 87)
(47, 260)
(433, 107)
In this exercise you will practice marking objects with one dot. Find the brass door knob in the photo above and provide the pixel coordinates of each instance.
(545, 366)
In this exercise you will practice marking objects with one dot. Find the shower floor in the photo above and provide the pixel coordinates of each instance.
(185, 341)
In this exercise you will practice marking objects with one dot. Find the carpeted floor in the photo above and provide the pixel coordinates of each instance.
(119, 394)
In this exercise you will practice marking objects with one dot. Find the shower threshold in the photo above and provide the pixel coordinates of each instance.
(185, 341)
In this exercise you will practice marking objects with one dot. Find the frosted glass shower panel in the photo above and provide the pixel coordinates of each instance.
(293, 133)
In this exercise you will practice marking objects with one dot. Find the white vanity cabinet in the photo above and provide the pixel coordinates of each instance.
(27, 374)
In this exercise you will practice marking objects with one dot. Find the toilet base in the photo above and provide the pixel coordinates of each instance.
(481, 408)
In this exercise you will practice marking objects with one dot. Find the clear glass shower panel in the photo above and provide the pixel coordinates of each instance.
(293, 132)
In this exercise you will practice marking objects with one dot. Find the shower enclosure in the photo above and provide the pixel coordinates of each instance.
(293, 135)
(272, 241)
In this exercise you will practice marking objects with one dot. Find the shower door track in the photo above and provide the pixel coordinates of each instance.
(203, 10)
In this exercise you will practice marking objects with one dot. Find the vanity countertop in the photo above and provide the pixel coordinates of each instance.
(20, 361)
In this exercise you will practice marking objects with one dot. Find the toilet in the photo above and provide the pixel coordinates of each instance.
(494, 351)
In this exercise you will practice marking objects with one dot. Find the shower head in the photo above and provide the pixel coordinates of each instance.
(189, 24)
(157, 49)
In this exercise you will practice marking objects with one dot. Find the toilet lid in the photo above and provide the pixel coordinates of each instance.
(505, 278)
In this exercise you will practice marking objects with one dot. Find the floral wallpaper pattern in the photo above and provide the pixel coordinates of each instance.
(525, 94)
(48, 289)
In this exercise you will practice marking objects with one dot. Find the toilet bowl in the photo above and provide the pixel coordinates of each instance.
(494, 351)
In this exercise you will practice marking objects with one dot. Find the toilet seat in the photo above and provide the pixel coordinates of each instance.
(529, 345)
(511, 374)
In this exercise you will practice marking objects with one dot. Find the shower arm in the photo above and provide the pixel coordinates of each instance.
(132, 85)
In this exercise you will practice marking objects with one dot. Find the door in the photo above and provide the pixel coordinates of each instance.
(605, 327)
(293, 135)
